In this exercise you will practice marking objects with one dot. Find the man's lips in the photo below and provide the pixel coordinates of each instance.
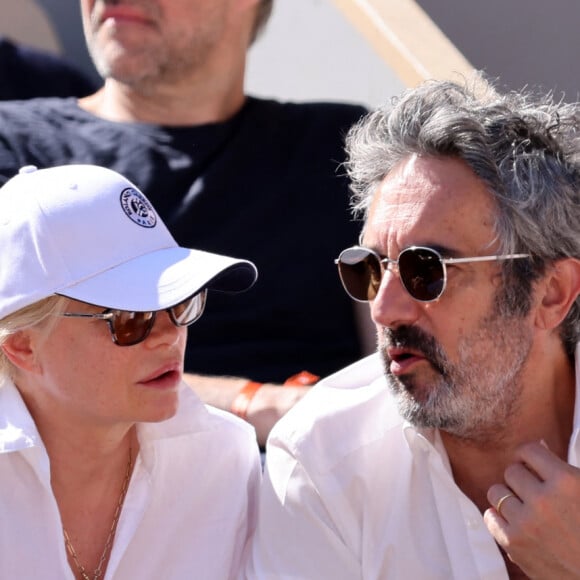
(120, 13)
(402, 359)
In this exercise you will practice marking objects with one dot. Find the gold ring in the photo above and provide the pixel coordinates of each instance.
(501, 500)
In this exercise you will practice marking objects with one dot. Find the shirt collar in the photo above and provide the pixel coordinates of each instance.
(17, 428)
(574, 447)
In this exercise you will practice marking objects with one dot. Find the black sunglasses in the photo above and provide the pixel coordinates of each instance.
(422, 270)
(128, 328)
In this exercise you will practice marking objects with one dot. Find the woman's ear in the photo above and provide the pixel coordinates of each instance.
(19, 350)
(561, 287)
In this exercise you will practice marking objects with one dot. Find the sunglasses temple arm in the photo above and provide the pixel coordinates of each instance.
(98, 316)
(484, 258)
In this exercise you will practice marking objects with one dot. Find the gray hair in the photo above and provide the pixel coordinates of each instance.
(24, 318)
(525, 147)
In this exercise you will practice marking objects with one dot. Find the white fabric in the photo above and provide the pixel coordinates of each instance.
(352, 492)
(88, 233)
(189, 509)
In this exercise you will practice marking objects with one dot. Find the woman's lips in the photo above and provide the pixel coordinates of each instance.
(163, 378)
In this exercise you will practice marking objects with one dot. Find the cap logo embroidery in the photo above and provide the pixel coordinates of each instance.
(138, 208)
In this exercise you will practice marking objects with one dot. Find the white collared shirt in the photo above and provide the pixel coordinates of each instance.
(352, 492)
(188, 512)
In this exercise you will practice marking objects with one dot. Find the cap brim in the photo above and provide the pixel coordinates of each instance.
(161, 279)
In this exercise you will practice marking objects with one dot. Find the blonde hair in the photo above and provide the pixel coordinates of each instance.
(27, 317)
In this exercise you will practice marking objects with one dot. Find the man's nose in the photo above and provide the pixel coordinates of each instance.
(393, 306)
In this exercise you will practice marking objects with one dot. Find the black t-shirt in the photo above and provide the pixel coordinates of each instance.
(265, 185)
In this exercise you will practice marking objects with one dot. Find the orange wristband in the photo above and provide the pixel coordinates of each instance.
(301, 379)
(244, 398)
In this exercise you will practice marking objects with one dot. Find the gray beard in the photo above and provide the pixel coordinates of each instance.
(474, 398)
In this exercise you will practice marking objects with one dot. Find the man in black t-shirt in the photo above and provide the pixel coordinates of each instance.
(228, 173)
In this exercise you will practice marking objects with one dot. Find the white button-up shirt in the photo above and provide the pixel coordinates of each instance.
(353, 492)
(188, 512)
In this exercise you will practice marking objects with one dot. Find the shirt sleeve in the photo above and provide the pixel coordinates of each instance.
(296, 536)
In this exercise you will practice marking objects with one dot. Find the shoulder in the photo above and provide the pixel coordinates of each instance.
(27, 117)
(341, 416)
(329, 108)
(28, 73)
(305, 135)
(34, 132)
(230, 428)
(330, 114)
(51, 131)
(207, 429)
(211, 419)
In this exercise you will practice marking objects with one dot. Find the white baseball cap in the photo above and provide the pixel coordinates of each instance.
(88, 233)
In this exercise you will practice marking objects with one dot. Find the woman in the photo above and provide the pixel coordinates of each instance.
(109, 466)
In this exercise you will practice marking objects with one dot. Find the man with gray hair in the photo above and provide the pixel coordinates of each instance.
(453, 452)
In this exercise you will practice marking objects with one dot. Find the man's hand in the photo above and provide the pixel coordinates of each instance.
(538, 520)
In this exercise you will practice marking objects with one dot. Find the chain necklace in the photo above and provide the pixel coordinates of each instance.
(84, 575)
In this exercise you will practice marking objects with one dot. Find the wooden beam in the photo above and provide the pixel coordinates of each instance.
(407, 39)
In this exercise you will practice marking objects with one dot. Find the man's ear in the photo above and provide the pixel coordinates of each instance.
(561, 287)
(18, 348)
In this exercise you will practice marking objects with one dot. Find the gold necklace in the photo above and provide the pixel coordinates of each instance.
(109, 542)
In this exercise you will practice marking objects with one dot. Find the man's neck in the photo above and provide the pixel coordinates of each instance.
(547, 415)
(165, 105)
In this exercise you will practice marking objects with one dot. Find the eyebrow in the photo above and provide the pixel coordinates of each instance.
(445, 251)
